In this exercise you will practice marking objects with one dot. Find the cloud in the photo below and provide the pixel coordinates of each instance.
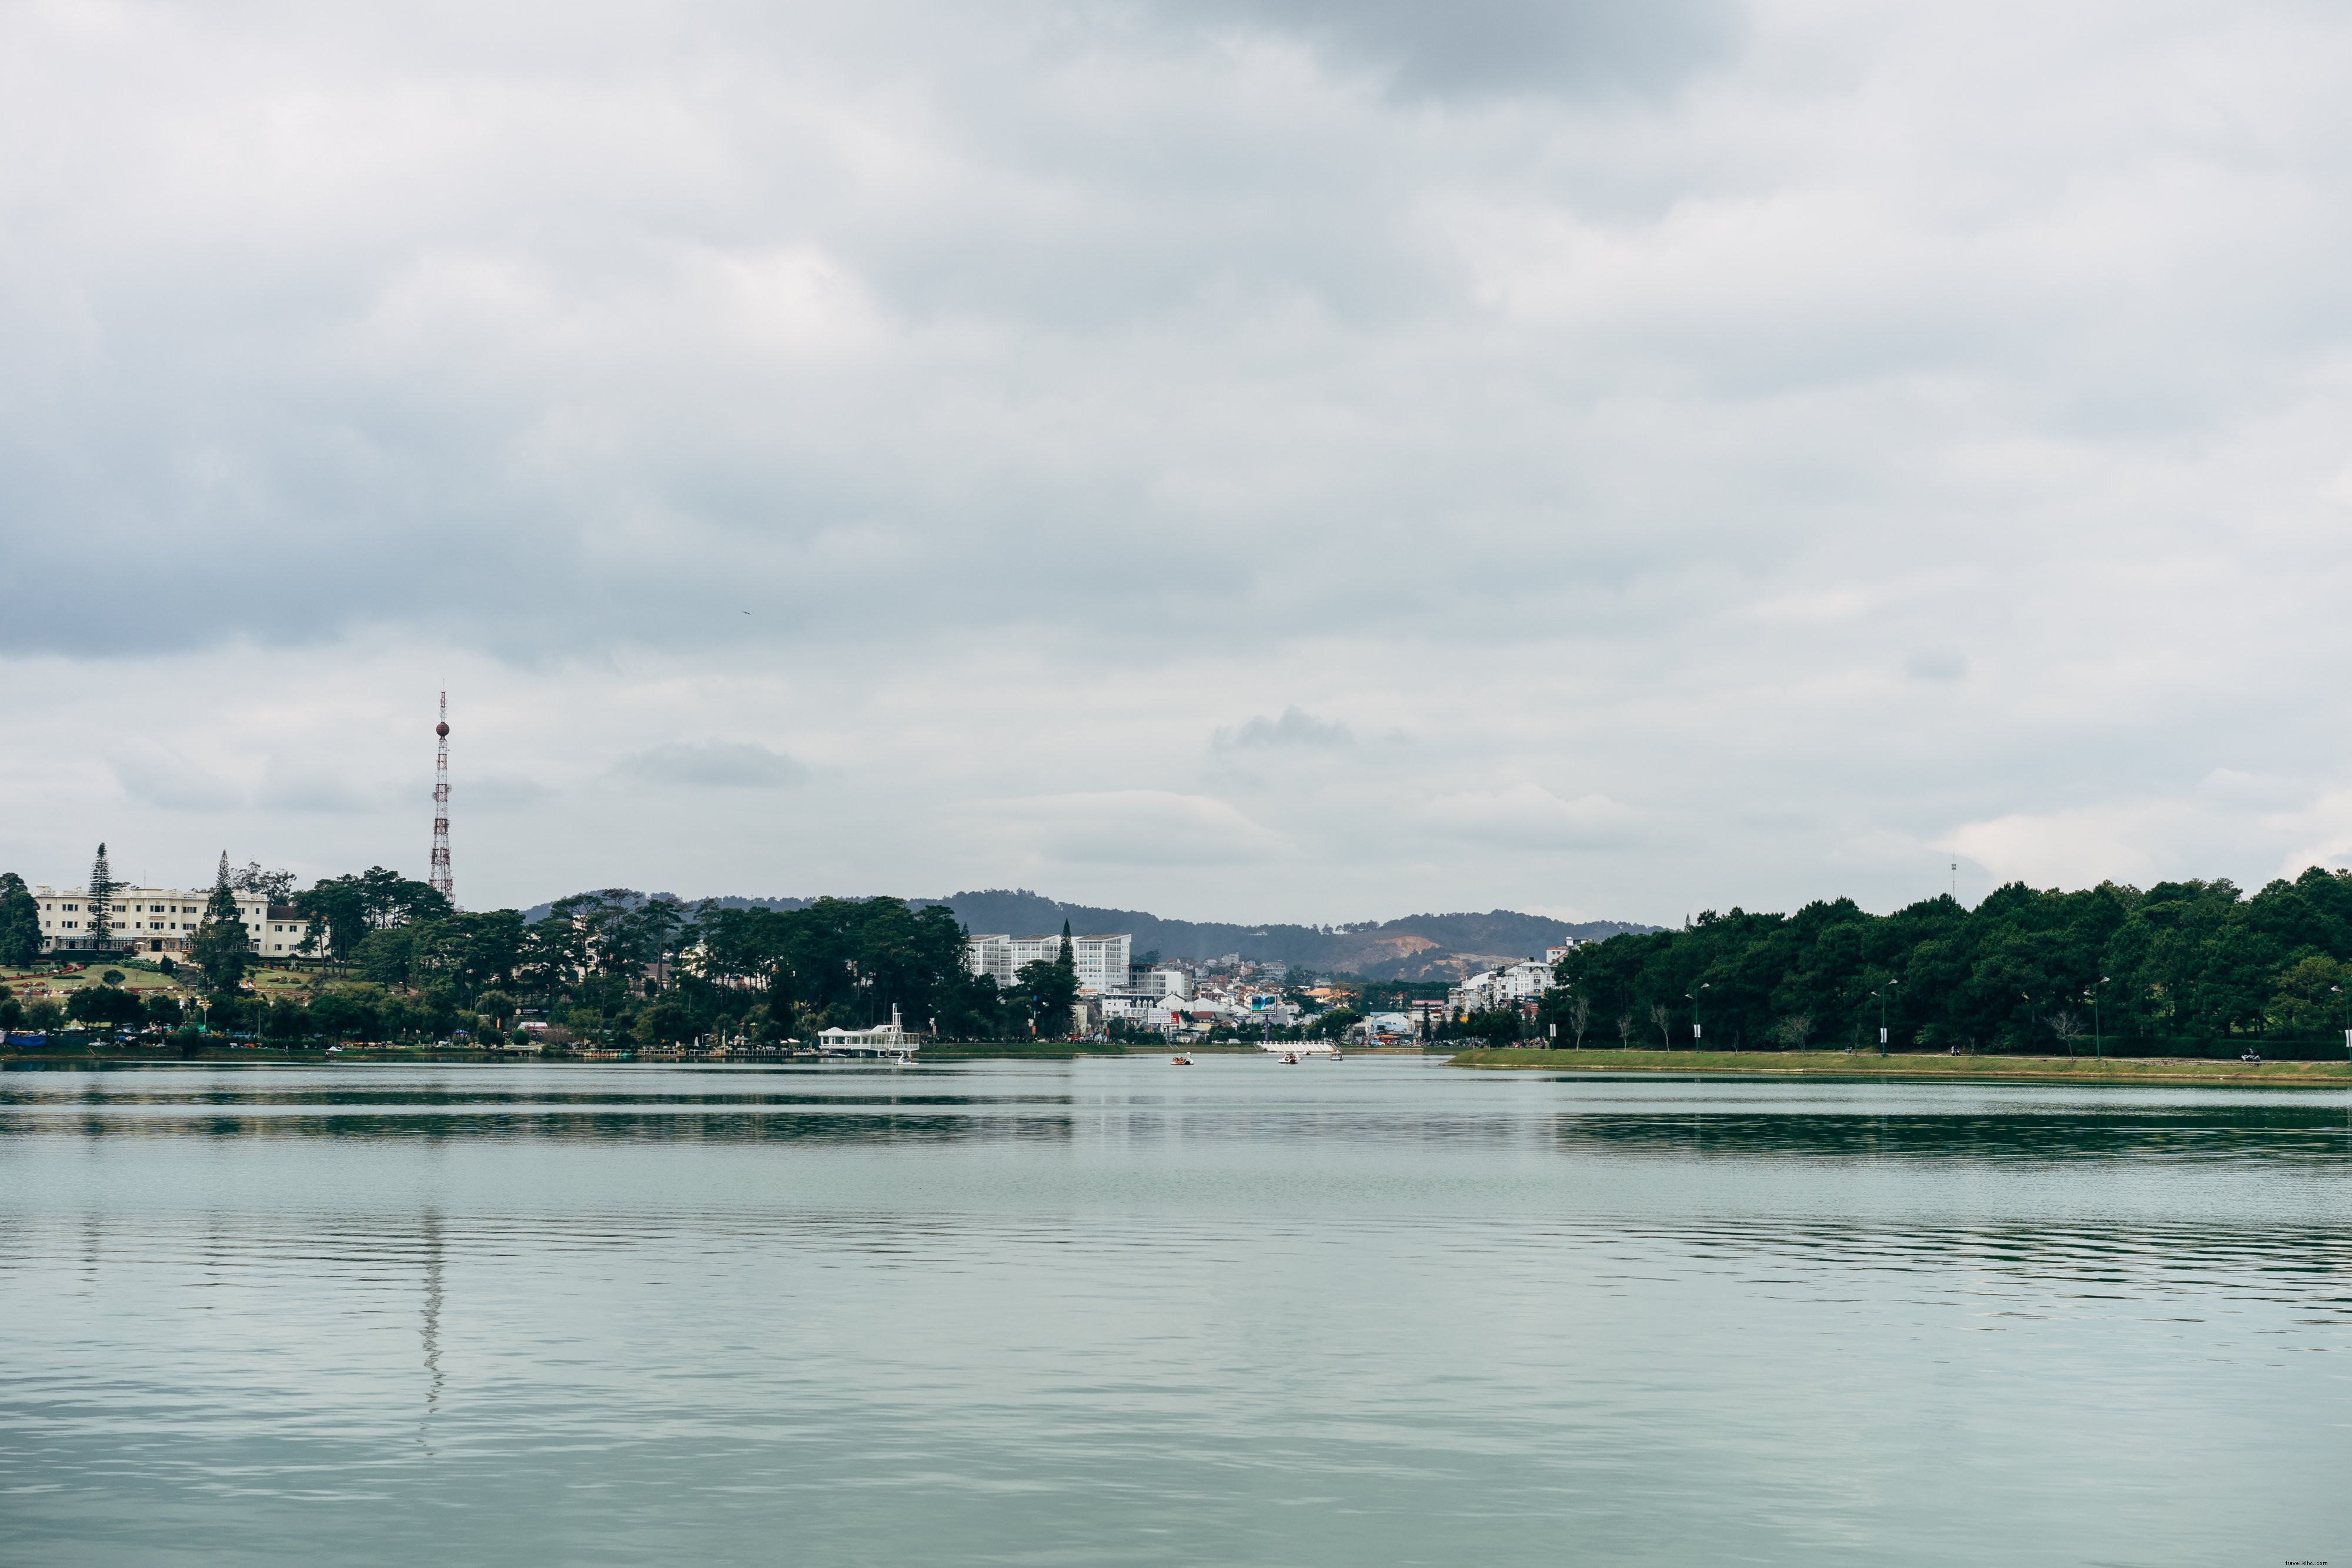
(1295, 729)
(2078, 848)
(1489, 46)
(714, 765)
(158, 776)
(503, 792)
(296, 784)
(1814, 433)
(1938, 665)
(1135, 828)
(1527, 816)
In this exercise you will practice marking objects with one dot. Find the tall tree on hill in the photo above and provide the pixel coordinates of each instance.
(102, 900)
(222, 947)
(20, 921)
(277, 886)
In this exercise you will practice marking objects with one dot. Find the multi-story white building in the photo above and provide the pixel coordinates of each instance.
(158, 920)
(1102, 961)
(1500, 987)
(1161, 982)
(1554, 954)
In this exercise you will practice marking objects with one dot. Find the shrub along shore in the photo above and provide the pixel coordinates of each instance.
(1903, 1064)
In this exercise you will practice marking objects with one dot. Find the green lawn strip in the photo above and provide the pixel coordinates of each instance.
(1839, 1064)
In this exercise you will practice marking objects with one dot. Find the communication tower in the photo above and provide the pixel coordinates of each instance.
(440, 877)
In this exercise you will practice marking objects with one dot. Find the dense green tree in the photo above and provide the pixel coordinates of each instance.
(665, 1021)
(1335, 1023)
(1051, 990)
(277, 886)
(337, 1015)
(2189, 959)
(20, 921)
(107, 1007)
(344, 909)
(848, 961)
(384, 955)
(222, 947)
(163, 1011)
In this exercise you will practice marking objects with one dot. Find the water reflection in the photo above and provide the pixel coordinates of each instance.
(1106, 1312)
(1231, 1100)
(429, 1326)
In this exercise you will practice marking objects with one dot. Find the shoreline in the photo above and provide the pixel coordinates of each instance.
(429, 1057)
(1978, 1069)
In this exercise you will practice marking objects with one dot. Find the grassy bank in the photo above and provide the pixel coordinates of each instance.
(1839, 1064)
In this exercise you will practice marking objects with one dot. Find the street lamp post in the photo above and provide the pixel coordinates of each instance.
(1881, 994)
(2098, 1038)
(2347, 1018)
(1694, 1023)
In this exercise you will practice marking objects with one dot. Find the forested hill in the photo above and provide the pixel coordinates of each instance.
(1416, 947)
(2181, 960)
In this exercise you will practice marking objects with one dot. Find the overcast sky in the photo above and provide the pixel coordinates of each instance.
(1255, 459)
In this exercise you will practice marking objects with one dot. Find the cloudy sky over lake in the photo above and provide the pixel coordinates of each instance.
(1240, 458)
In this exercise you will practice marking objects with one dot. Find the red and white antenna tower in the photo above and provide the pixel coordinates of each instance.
(440, 877)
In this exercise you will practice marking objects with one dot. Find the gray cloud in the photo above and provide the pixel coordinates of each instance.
(715, 764)
(1480, 46)
(158, 776)
(1644, 401)
(1296, 728)
(1938, 665)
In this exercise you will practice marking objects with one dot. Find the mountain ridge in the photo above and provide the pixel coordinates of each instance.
(1431, 946)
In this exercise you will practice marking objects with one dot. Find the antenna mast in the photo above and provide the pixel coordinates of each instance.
(440, 874)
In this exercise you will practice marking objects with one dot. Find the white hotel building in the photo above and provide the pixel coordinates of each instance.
(163, 920)
(1102, 961)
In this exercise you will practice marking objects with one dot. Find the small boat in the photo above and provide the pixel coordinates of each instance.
(1179, 1060)
(1290, 1059)
(1336, 1055)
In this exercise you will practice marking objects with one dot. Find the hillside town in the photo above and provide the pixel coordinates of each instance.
(1183, 1000)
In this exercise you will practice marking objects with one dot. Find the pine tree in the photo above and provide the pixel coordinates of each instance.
(220, 878)
(222, 947)
(102, 900)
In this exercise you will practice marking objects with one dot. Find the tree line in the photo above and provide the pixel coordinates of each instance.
(2026, 969)
(396, 960)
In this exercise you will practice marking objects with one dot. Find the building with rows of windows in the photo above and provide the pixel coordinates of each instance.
(161, 920)
(1102, 962)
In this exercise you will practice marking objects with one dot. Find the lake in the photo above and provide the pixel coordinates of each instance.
(1115, 1312)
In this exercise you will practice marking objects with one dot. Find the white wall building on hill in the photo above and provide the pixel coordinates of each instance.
(162, 920)
(1500, 987)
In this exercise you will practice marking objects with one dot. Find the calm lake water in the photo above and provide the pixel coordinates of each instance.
(1113, 1312)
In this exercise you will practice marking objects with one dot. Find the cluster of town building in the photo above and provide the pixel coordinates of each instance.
(1183, 999)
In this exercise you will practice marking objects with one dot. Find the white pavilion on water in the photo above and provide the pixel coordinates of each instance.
(891, 1038)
